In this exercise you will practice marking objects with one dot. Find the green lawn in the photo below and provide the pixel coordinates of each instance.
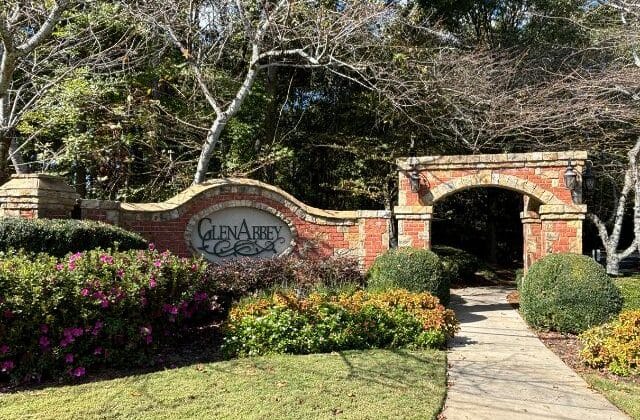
(624, 395)
(630, 288)
(370, 384)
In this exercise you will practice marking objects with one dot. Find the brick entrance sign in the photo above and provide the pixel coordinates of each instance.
(220, 219)
(228, 218)
(551, 219)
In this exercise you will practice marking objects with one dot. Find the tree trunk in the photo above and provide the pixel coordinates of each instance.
(613, 262)
(213, 137)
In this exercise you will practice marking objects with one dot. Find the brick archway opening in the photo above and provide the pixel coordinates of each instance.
(484, 221)
(551, 214)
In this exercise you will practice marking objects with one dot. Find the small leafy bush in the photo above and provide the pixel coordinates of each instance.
(417, 270)
(519, 277)
(63, 317)
(458, 265)
(59, 237)
(286, 323)
(614, 346)
(245, 276)
(568, 293)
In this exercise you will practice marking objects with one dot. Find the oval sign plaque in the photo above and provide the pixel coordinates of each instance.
(235, 232)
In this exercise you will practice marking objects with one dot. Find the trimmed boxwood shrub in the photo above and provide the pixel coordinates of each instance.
(458, 265)
(568, 293)
(59, 237)
(285, 323)
(417, 270)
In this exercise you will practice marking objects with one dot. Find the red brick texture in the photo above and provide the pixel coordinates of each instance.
(318, 233)
(552, 221)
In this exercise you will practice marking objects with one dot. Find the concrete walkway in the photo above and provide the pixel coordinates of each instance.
(500, 370)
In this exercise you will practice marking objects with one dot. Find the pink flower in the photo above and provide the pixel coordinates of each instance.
(78, 372)
(75, 257)
(85, 292)
(200, 296)
(68, 358)
(59, 267)
(106, 259)
(44, 342)
(4, 349)
(65, 342)
(44, 328)
(152, 246)
(157, 263)
(104, 303)
(7, 366)
(146, 330)
(120, 273)
(72, 266)
(77, 332)
(152, 282)
(97, 351)
(170, 309)
(97, 327)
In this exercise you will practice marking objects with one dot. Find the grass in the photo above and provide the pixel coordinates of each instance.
(359, 384)
(625, 395)
(630, 289)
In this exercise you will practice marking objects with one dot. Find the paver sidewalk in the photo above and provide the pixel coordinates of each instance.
(498, 369)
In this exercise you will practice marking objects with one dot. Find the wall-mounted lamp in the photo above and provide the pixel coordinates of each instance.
(570, 177)
(571, 182)
(588, 178)
(414, 179)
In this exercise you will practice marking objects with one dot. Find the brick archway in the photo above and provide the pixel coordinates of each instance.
(551, 220)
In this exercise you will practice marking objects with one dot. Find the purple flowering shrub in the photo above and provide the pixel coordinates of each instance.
(63, 317)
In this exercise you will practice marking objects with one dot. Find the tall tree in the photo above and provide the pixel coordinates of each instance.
(239, 39)
(41, 43)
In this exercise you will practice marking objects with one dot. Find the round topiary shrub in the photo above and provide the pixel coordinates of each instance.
(568, 293)
(416, 270)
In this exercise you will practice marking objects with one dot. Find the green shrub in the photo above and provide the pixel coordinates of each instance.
(568, 293)
(243, 276)
(458, 265)
(614, 346)
(59, 237)
(417, 270)
(64, 317)
(285, 323)
(519, 277)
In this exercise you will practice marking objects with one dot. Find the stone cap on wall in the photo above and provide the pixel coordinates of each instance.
(170, 208)
(501, 160)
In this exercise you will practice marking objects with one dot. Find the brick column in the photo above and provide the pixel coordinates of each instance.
(562, 228)
(532, 237)
(414, 230)
(35, 196)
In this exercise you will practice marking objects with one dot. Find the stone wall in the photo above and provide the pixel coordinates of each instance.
(362, 234)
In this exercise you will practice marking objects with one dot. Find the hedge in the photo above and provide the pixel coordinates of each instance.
(59, 237)
(286, 323)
